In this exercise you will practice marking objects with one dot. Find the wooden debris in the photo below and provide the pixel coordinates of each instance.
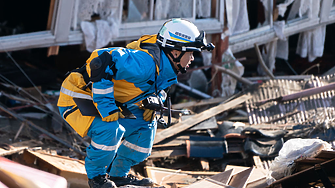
(15, 175)
(239, 180)
(199, 103)
(204, 125)
(40, 129)
(317, 171)
(233, 176)
(73, 170)
(166, 177)
(172, 152)
(20, 146)
(179, 127)
(258, 162)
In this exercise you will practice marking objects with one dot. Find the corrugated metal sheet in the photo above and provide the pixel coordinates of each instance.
(317, 109)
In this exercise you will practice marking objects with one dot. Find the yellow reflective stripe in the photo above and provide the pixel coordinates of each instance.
(103, 91)
(75, 94)
(135, 147)
(103, 147)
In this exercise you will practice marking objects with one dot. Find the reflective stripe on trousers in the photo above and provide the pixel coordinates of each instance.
(105, 138)
(135, 147)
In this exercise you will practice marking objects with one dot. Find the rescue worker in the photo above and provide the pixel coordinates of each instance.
(116, 80)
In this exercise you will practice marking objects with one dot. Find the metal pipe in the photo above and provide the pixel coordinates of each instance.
(195, 91)
(234, 75)
(262, 63)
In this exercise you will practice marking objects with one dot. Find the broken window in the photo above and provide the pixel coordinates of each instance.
(145, 10)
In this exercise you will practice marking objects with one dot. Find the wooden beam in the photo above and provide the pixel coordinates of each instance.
(199, 103)
(181, 126)
(173, 152)
(73, 170)
(52, 50)
(51, 13)
(204, 125)
(305, 176)
(240, 180)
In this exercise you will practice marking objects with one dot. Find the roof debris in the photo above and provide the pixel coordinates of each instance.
(203, 147)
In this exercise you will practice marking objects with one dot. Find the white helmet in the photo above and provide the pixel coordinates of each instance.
(182, 35)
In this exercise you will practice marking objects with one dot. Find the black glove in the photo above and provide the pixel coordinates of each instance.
(152, 103)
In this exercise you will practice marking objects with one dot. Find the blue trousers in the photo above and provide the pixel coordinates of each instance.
(121, 144)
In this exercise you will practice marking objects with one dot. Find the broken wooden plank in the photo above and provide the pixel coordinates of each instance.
(208, 183)
(247, 176)
(261, 183)
(236, 169)
(304, 177)
(223, 177)
(217, 181)
(173, 152)
(179, 127)
(199, 103)
(73, 170)
(257, 162)
(324, 154)
(173, 141)
(240, 179)
(167, 153)
(304, 163)
(235, 176)
(206, 124)
(256, 175)
(166, 177)
(20, 146)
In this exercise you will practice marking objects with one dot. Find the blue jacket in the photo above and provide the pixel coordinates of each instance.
(137, 72)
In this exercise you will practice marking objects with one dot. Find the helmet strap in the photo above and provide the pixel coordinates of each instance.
(181, 69)
(177, 61)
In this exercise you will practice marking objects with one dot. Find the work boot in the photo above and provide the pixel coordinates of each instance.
(131, 180)
(101, 182)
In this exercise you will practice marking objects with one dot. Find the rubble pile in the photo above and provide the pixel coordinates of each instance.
(269, 134)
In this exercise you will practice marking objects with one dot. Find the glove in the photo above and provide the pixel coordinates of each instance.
(148, 114)
(113, 117)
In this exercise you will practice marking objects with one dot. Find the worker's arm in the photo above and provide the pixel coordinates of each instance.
(103, 97)
(103, 87)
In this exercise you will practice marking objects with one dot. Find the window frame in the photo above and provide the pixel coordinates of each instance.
(267, 34)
